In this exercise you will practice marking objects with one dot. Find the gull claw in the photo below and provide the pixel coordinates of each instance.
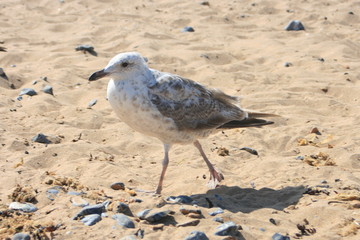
(215, 178)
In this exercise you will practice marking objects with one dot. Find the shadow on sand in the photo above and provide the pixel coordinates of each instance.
(246, 200)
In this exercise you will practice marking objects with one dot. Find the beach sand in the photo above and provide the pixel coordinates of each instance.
(240, 47)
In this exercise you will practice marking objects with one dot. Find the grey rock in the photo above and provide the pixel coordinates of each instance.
(188, 29)
(48, 89)
(294, 25)
(123, 220)
(91, 219)
(92, 209)
(157, 216)
(51, 193)
(117, 186)
(21, 236)
(278, 236)
(86, 48)
(124, 208)
(228, 228)
(288, 64)
(216, 212)
(25, 207)
(187, 210)
(41, 138)
(28, 91)
(142, 214)
(180, 199)
(196, 235)
(19, 98)
(300, 158)
(92, 103)
(189, 223)
(218, 219)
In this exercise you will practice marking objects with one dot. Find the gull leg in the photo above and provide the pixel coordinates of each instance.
(215, 174)
(164, 167)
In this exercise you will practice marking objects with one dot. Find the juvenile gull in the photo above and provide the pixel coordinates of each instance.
(173, 109)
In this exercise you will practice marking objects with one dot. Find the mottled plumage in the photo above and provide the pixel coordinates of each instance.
(169, 107)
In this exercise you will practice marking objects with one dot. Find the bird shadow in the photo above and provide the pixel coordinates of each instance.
(246, 200)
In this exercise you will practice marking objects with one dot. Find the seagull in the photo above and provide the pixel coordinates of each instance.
(171, 108)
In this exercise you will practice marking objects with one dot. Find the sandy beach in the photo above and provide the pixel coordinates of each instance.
(305, 181)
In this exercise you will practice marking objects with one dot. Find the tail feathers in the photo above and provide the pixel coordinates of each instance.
(248, 122)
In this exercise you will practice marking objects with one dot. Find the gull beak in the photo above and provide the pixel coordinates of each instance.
(97, 75)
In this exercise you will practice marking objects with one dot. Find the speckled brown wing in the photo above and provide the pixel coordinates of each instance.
(191, 105)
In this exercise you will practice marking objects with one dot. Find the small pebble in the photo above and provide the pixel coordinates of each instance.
(140, 233)
(262, 229)
(86, 48)
(218, 219)
(300, 158)
(91, 219)
(19, 98)
(205, 3)
(294, 25)
(188, 29)
(123, 220)
(75, 193)
(189, 223)
(25, 207)
(51, 193)
(324, 182)
(27, 91)
(48, 89)
(157, 216)
(196, 235)
(118, 186)
(143, 213)
(287, 64)
(34, 82)
(216, 212)
(124, 208)
(195, 215)
(273, 221)
(180, 199)
(3, 75)
(278, 236)
(228, 228)
(21, 236)
(92, 103)
(92, 209)
(41, 138)
(250, 150)
(186, 211)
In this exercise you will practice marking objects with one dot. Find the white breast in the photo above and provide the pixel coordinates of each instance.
(132, 104)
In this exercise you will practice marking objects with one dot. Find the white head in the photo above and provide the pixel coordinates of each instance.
(122, 66)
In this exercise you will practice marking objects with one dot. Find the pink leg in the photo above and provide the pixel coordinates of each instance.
(215, 175)
(164, 164)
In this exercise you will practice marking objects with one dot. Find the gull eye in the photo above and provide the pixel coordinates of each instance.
(124, 64)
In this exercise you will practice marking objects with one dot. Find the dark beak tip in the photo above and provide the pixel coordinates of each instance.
(97, 75)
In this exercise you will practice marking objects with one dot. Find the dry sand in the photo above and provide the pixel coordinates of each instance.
(238, 46)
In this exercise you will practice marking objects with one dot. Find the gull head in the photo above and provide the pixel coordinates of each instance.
(123, 66)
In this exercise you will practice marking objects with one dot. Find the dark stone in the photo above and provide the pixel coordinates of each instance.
(28, 91)
(41, 138)
(295, 25)
(48, 89)
(92, 209)
(123, 220)
(196, 235)
(124, 208)
(278, 236)
(228, 228)
(86, 48)
(3, 75)
(21, 236)
(118, 186)
(143, 213)
(180, 199)
(91, 219)
(188, 29)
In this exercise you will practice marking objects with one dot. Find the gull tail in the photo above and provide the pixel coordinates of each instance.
(253, 120)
